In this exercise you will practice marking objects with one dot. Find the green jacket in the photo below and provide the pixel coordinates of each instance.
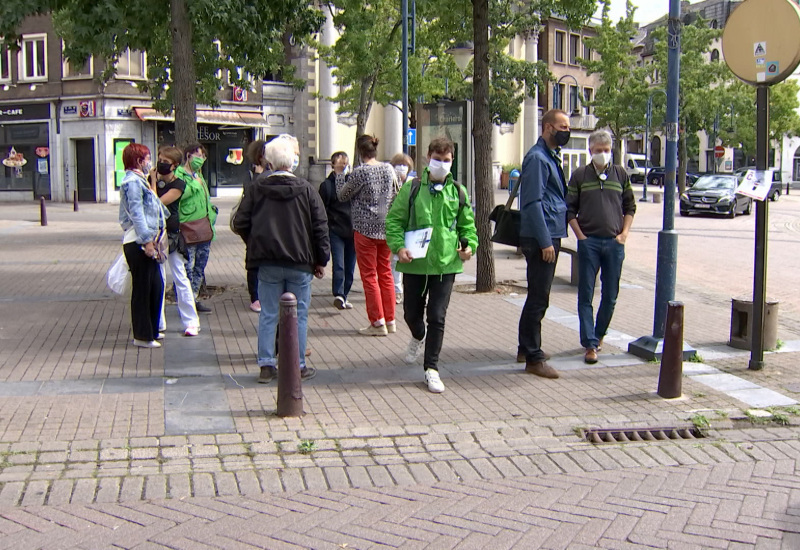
(195, 202)
(436, 210)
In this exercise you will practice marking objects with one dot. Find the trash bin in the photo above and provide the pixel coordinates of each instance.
(513, 178)
(742, 324)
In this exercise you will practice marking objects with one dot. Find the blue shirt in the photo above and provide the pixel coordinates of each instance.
(542, 196)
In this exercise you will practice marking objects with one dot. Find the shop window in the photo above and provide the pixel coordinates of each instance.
(132, 64)
(33, 57)
(22, 168)
(561, 38)
(5, 64)
(574, 48)
(71, 70)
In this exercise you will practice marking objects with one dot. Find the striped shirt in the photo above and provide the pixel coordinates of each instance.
(600, 203)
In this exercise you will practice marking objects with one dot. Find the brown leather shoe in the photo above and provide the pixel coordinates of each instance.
(541, 368)
(522, 359)
(590, 357)
(267, 375)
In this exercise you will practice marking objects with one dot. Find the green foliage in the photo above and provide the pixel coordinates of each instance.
(620, 102)
(696, 358)
(700, 421)
(306, 446)
(252, 33)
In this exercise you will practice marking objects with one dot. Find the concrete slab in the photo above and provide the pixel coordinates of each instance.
(762, 397)
(724, 382)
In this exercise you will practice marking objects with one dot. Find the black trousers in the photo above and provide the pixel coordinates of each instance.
(434, 290)
(147, 292)
(540, 279)
(252, 284)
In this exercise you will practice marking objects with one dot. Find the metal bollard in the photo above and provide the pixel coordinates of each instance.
(670, 378)
(74, 201)
(42, 211)
(290, 391)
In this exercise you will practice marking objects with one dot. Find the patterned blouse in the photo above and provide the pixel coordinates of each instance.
(371, 188)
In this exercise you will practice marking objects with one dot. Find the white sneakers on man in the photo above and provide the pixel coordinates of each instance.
(433, 380)
(414, 350)
(146, 344)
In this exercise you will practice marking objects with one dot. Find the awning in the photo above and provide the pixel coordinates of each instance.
(225, 118)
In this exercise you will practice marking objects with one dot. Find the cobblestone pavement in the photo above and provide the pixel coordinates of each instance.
(103, 445)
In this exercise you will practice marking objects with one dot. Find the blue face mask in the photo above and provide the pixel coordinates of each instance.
(295, 163)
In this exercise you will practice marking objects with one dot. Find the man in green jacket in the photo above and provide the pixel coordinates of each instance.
(437, 203)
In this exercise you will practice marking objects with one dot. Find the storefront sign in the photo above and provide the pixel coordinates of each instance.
(204, 133)
(30, 111)
(87, 109)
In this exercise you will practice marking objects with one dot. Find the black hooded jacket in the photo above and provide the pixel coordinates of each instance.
(283, 222)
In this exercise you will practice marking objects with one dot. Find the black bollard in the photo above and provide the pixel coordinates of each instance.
(670, 379)
(74, 201)
(290, 391)
(42, 211)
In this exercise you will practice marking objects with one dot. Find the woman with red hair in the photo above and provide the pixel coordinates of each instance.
(142, 217)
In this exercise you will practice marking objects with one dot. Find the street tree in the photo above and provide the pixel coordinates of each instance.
(190, 46)
(620, 102)
(738, 119)
(702, 83)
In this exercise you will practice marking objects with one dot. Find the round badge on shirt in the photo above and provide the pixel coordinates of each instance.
(161, 184)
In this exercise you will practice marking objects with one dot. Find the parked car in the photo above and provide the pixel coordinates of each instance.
(657, 175)
(635, 166)
(716, 194)
(774, 191)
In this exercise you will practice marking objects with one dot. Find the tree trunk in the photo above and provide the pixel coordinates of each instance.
(364, 107)
(184, 79)
(683, 161)
(482, 134)
(617, 151)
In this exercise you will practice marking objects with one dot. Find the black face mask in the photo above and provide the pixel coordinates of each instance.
(164, 168)
(562, 137)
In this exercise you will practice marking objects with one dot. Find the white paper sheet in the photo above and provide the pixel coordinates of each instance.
(417, 242)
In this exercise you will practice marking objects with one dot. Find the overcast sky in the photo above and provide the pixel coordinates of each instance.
(646, 10)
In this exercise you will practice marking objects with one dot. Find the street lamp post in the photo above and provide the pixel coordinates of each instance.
(557, 94)
(648, 121)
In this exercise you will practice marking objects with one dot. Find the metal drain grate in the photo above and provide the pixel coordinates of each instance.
(619, 435)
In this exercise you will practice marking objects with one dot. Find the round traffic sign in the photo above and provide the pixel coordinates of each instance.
(761, 41)
(719, 151)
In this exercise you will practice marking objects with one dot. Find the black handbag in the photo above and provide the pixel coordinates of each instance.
(507, 221)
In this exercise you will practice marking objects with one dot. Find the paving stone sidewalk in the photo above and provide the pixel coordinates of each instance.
(87, 421)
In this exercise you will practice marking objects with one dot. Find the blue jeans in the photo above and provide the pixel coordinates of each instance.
(604, 255)
(272, 282)
(343, 257)
(196, 260)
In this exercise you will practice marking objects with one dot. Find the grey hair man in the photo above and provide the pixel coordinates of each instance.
(600, 210)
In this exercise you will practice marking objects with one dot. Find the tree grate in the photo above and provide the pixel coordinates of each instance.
(620, 435)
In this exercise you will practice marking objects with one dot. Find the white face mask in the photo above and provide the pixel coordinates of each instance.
(439, 170)
(295, 163)
(402, 171)
(601, 159)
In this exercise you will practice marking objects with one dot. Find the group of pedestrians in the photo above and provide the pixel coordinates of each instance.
(168, 219)
(598, 204)
(385, 219)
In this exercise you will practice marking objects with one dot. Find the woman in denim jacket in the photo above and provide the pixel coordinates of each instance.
(142, 217)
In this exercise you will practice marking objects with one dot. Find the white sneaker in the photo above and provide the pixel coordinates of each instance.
(414, 350)
(339, 302)
(372, 330)
(435, 384)
(146, 344)
(348, 305)
(191, 331)
(161, 335)
(391, 328)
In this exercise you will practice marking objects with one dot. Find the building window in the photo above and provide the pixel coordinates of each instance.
(132, 65)
(588, 96)
(5, 65)
(71, 71)
(560, 96)
(714, 55)
(587, 52)
(33, 57)
(561, 38)
(573, 99)
(574, 48)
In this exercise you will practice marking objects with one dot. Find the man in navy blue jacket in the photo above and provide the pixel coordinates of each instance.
(543, 207)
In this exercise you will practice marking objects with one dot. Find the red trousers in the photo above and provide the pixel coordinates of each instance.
(375, 265)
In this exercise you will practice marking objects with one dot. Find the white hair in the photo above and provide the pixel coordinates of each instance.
(599, 137)
(280, 152)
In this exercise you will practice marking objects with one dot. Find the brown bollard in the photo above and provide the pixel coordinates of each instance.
(42, 211)
(290, 392)
(670, 378)
(74, 201)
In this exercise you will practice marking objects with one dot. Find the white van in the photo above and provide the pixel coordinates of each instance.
(635, 166)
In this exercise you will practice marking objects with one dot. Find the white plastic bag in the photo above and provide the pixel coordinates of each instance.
(118, 277)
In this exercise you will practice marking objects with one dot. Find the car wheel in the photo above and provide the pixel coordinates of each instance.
(732, 212)
(749, 208)
(775, 195)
